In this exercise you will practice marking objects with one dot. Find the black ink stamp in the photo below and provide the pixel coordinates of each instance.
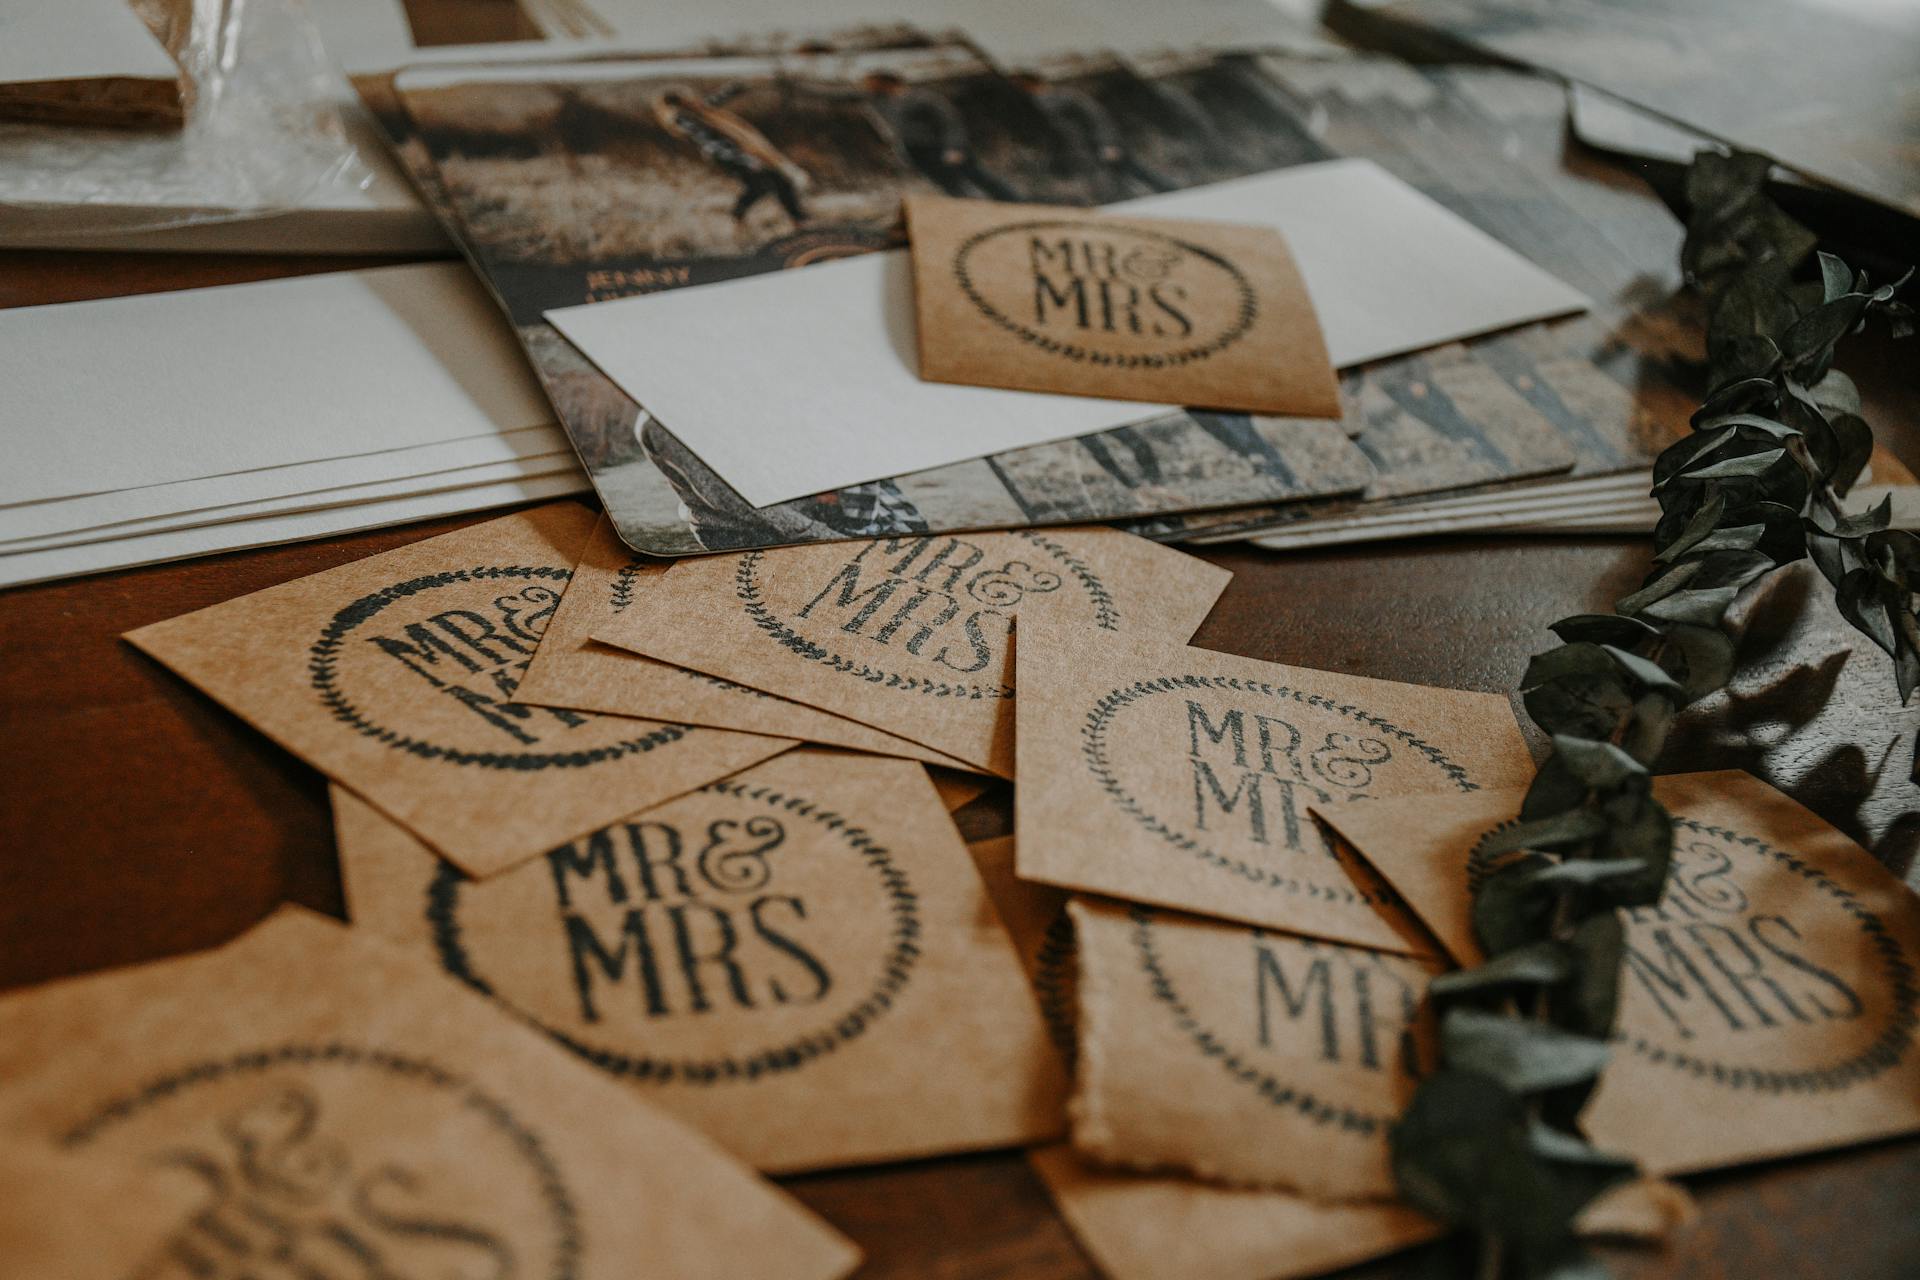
(942, 600)
(1258, 770)
(1094, 292)
(1318, 999)
(474, 656)
(1708, 963)
(278, 1181)
(734, 859)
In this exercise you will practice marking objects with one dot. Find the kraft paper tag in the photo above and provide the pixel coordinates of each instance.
(1046, 298)
(1242, 1056)
(342, 1109)
(1768, 1002)
(957, 790)
(571, 670)
(912, 635)
(800, 961)
(397, 676)
(1166, 774)
(85, 1217)
(1143, 1227)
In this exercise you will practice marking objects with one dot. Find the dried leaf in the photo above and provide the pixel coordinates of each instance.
(1539, 964)
(1525, 1056)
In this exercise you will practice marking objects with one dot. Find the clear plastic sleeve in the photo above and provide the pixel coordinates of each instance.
(263, 133)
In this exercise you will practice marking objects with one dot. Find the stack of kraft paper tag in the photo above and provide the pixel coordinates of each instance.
(653, 881)
(840, 786)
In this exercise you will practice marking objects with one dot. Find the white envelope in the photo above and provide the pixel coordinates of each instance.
(545, 464)
(797, 382)
(182, 500)
(181, 544)
(167, 387)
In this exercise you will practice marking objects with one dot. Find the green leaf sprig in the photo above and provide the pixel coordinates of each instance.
(1491, 1141)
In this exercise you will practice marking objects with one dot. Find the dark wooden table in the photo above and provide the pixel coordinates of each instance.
(140, 820)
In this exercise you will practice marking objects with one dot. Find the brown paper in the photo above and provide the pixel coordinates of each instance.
(1036, 917)
(1051, 298)
(343, 1109)
(1768, 1003)
(1142, 1227)
(67, 1216)
(571, 670)
(1242, 1056)
(1177, 776)
(123, 102)
(957, 790)
(799, 960)
(912, 635)
(395, 675)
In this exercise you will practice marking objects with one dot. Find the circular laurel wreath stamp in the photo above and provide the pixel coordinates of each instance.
(336, 1159)
(740, 932)
(430, 666)
(1759, 971)
(943, 605)
(1256, 756)
(1179, 302)
(1335, 1034)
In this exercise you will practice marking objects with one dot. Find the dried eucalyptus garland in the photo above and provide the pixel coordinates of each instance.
(1491, 1141)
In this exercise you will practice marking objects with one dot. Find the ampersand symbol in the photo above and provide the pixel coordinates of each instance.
(735, 857)
(1010, 583)
(1347, 761)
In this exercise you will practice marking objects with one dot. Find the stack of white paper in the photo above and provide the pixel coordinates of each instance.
(167, 425)
(1603, 505)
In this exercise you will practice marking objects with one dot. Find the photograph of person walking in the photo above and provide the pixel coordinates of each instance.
(932, 137)
(733, 146)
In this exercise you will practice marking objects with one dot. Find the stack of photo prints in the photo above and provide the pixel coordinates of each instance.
(584, 180)
(673, 835)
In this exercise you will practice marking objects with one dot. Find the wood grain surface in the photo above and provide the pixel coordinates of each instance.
(140, 820)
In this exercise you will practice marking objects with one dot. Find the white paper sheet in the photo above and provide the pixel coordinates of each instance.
(344, 495)
(796, 382)
(77, 40)
(183, 544)
(186, 498)
(363, 34)
(178, 386)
